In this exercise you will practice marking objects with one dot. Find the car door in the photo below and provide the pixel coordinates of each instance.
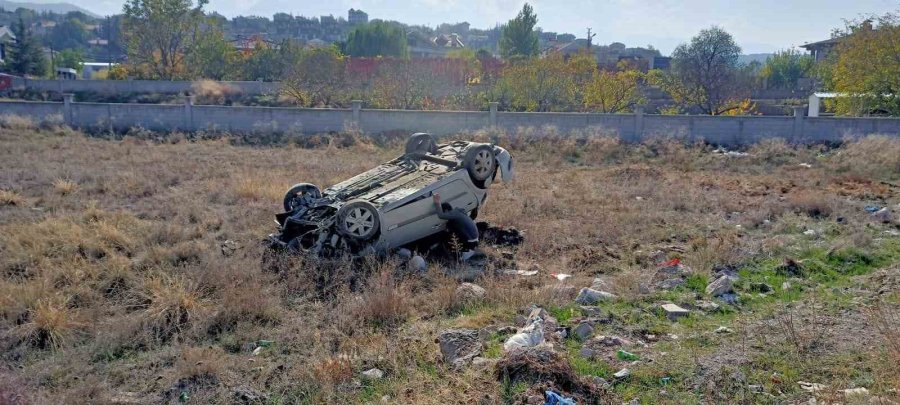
(418, 219)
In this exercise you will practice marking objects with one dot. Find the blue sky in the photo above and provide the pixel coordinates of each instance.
(758, 25)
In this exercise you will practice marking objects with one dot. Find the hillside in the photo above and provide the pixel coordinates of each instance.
(58, 8)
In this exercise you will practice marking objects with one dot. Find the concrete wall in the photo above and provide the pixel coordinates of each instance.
(118, 87)
(630, 127)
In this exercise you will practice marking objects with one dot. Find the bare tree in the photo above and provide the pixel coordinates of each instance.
(705, 73)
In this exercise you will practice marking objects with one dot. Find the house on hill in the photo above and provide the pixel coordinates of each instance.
(821, 49)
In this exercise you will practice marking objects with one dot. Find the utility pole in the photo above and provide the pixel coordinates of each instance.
(589, 38)
(108, 45)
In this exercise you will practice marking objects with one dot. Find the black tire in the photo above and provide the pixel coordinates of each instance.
(474, 213)
(421, 143)
(481, 163)
(293, 196)
(358, 220)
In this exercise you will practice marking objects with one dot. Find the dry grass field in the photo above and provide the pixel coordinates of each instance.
(131, 272)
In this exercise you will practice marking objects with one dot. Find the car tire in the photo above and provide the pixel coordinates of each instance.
(421, 143)
(358, 220)
(298, 191)
(481, 164)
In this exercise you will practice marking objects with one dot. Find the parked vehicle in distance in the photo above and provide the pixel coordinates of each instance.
(390, 205)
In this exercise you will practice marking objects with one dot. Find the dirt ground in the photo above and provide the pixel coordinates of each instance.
(131, 272)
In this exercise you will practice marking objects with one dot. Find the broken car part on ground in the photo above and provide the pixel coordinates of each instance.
(390, 206)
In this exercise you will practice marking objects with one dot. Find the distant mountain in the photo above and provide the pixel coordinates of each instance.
(746, 59)
(58, 8)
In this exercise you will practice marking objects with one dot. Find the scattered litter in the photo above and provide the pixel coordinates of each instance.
(806, 165)
(228, 248)
(810, 232)
(626, 356)
(871, 209)
(811, 387)
(639, 198)
(257, 351)
(723, 329)
(852, 392)
(561, 276)
(623, 373)
(529, 336)
(665, 381)
(892, 232)
(493, 235)
(883, 215)
(557, 399)
(265, 343)
(544, 367)
(671, 263)
(520, 272)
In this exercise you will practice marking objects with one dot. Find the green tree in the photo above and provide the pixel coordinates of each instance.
(318, 77)
(705, 73)
(26, 57)
(158, 34)
(785, 68)
(866, 68)
(518, 38)
(70, 58)
(211, 56)
(70, 33)
(269, 63)
(377, 38)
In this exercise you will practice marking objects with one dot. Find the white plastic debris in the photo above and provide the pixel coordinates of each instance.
(529, 336)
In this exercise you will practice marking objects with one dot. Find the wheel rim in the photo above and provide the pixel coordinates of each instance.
(359, 221)
(483, 163)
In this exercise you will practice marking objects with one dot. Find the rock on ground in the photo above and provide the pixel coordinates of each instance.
(673, 312)
(373, 374)
(468, 293)
(590, 296)
(721, 285)
(247, 395)
(459, 346)
(584, 330)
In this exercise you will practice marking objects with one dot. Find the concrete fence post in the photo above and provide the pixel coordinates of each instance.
(493, 114)
(638, 123)
(798, 122)
(68, 99)
(357, 109)
(189, 113)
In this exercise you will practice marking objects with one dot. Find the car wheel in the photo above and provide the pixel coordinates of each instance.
(298, 193)
(358, 220)
(481, 163)
(421, 143)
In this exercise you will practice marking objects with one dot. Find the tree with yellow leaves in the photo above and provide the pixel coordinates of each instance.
(613, 92)
(866, 67)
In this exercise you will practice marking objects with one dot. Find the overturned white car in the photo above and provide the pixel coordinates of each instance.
(390, 206)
